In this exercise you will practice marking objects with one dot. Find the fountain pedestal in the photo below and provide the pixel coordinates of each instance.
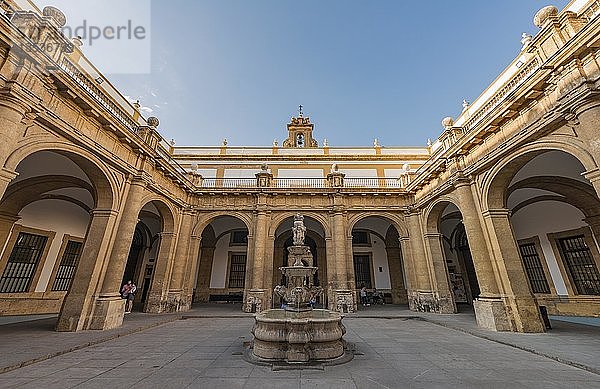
(298, 333)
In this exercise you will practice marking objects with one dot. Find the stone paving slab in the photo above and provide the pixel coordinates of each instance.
(204, 352)
(26, 342)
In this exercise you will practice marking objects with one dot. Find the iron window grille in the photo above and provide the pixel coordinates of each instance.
(534, 268)
(580, 264)
(362, 271)
(22, 263)
(237, 271)
(67, 267)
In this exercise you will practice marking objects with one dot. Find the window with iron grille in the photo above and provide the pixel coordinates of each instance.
(360, 238)
(22, 263)
(580, 264)
(67, 267)
(237, 271)
(362, 271)
(239, 237)
(534, 268)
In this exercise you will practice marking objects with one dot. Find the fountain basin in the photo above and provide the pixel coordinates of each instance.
(298, 336)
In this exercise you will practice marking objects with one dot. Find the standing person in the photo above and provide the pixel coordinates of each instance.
(363, 296)
(130, 297)
(125, 290)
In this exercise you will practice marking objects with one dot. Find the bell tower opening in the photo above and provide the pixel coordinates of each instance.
(300, 132)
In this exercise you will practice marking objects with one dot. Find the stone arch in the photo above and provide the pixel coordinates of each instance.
(396, 220)
(387, 256)
(102, 177)
(320, 218)
(168, 213)
(204, 219)
(433, 212)
(497, 180)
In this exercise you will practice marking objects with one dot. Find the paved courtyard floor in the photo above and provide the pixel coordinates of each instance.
(395, 352)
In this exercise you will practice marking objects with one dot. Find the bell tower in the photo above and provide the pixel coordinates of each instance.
(300, 132)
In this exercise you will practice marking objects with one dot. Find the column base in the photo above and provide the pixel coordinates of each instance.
(524, 312)
(491, 315)
(108, 314)
(255, 301)
(399, 296)
(342, 301)
(176, 301)
(430, 302)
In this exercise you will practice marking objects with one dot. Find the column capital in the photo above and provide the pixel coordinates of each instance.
(496, 213)
(592, 175)
(7, 175)
(5, 217)
(103, 212)
(167, 234)
(432, 235)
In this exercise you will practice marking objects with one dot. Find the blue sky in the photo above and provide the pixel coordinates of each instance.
(387, 69)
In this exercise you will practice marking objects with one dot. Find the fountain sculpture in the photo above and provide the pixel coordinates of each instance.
(297, 333)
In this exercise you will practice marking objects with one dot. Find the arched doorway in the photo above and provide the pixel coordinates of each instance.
(144, 251)
(448, 245)
(51, 222)
(315, 240)
(555, 219)
(377, 259)
(222, 264)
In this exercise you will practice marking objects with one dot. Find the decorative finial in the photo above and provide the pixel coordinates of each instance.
(153, 122)
(465, 104)
(526, 40)
(224, 142)
(429, 143)
(172, 143)
(76, 40)
(376, 143)
(335, 168)
(447, 122)
(300, 110)
(137, 105)
(264, 167)
(325, 143)
(275, 143)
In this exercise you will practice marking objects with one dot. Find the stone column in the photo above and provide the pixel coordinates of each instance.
(408, 263)
(594, 223)
(484, 270)
(191, 272)
(80, 310)
(394, 257)
(445, 297)
(6, 177)
(331, 273)
(13, 124)
(109, 303)
(343, 292)
(420, 295)
(204, 273)
(6, 224)
(157, 295)
(256, 299)
(594, 177)
(517, 310)
(176, 300)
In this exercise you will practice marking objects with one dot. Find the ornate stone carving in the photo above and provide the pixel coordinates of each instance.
(299, 231)
(543, 14)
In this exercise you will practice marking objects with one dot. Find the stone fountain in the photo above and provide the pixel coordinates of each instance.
(298, 333)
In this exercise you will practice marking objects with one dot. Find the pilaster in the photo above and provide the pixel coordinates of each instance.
(520, 306)
(80, 309)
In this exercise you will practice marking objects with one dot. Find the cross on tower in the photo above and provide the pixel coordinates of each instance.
(300, 109)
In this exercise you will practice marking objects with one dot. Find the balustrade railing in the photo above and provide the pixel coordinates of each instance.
(302, 183)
